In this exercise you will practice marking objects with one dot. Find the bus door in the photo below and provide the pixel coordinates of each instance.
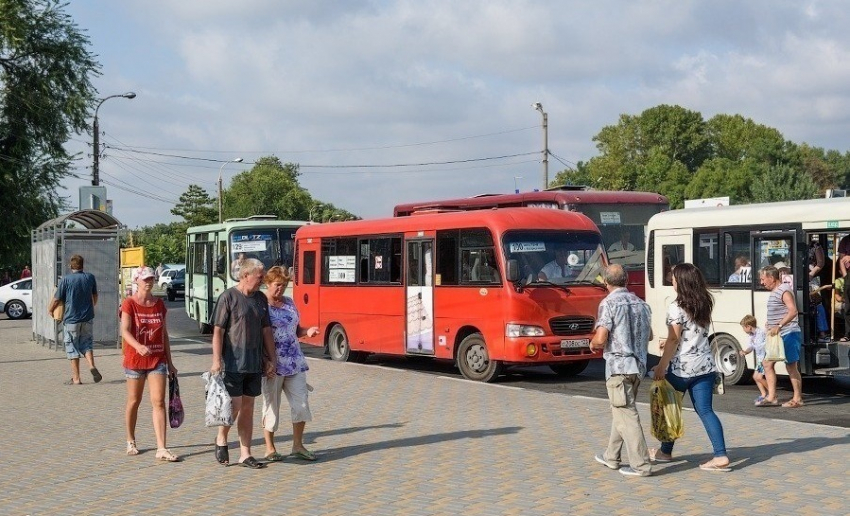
(218, 279)
(777, 248)
(306, 287)
(419, 331)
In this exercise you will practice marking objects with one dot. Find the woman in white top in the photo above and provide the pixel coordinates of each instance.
(687, 362)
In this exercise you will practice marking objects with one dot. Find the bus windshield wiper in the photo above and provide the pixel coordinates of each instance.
(549, 283)
(591, 283)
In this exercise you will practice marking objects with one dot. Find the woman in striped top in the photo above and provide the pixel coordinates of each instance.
(782, 320)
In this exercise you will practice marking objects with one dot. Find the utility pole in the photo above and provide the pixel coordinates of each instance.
(95, 169)
(539, 107)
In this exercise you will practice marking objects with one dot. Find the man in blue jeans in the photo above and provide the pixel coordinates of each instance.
(78, 292)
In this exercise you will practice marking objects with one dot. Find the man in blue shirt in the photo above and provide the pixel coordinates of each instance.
(78, 292)
(623, 333)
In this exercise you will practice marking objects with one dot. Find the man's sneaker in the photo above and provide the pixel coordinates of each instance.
(601, 460)
(629, 472)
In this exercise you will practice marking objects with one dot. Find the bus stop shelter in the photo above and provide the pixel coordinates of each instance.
(92, 234)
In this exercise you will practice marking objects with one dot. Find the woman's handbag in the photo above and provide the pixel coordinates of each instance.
(175, 405)
(665, 405)
(218, 407)
(774, 349)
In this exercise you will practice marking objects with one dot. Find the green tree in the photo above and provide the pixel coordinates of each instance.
(46, 95)
(783, 183)
(163, 243)
(196, 207)
(271, 187)
(721, 177)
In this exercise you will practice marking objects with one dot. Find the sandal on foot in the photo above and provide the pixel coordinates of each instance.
(710, 466)
(274, 457)
(305, 455)
(222, 455)
(653, 456)
(131, 448)
(252, 463)
(767, 403)
(164, 454)
(792, 404)
(71, 382)
(95, 374)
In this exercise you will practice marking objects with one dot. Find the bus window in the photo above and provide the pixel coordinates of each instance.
(706, 257)
(673, 255)
(736, 261)
(380, 260)
(309, 267)
(776, 252)
(447, 257)
(339, 257)
(560, 257)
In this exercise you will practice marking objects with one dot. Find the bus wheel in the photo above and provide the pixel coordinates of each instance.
(569, 368)
(474, 361)
(727, 359)
(338, 346)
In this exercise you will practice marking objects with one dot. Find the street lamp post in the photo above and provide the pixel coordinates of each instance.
(516, 188)
(95, 170)
(539, 107)
(220, 203)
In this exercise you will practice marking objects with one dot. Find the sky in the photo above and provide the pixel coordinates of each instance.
(387, 102)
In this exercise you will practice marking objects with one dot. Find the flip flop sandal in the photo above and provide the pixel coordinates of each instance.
(767, 403)
(305, 455)
(275, 457)
(222, 455)
(95, 374)
(131, 448)
(251, 463)
(71, 382)
(712, 467)
(792, 404)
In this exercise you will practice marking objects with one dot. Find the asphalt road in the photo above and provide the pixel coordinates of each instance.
(827, 399)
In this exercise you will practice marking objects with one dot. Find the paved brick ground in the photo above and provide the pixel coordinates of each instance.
(390, 442)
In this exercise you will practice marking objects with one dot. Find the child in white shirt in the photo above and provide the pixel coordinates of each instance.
(757, 343)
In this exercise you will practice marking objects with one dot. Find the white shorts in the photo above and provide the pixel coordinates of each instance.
(295, 388)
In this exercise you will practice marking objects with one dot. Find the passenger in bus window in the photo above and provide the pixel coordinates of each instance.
(743, 270)
(237, 264)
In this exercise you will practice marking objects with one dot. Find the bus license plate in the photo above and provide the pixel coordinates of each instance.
(575, 343)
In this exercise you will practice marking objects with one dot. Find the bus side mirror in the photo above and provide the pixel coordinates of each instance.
(513, 271)
(219, 265)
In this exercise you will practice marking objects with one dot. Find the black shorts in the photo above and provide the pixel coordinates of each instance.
(243, 384)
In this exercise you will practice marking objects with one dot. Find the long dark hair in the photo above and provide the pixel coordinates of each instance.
(692, 295)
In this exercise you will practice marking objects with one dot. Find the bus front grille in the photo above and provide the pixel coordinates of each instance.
(571, 325)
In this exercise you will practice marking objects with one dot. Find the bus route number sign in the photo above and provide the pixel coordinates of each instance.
(527, 247)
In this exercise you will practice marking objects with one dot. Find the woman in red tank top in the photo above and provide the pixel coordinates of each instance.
(147, 356)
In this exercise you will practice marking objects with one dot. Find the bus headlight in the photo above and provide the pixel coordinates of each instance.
(523, 330)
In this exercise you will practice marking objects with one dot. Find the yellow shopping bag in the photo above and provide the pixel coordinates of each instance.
(774, 349)
(665, 404)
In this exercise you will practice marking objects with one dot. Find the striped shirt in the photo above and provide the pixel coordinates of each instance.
(776, 310)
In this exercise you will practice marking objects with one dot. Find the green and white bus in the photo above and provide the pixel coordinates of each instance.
(213, 252)
(729, 244)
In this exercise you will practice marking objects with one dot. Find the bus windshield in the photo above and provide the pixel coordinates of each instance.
(271, 246)
(623, 229)
(559, 257)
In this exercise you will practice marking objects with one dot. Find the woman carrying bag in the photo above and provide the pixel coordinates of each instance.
(147, 357)
(687, 362)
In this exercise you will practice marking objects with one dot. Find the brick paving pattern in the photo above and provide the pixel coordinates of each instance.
(389, 442)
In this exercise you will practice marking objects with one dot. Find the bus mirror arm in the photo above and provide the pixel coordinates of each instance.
(512, 271)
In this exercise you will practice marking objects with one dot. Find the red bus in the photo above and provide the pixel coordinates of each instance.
(619, 216)
(455, 286)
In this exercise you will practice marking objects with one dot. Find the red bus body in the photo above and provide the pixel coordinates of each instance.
(358, 315)
(613, 211)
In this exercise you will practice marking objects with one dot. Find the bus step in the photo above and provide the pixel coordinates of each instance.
(832, 371)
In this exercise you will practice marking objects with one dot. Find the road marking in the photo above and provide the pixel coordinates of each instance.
(187, 339)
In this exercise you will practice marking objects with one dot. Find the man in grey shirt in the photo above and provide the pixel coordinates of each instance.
(623, 332)
(243, 350)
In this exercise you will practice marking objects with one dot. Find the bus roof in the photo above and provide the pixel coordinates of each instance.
(499, 220)
(832, 213)
(249, 222)
(561, 197)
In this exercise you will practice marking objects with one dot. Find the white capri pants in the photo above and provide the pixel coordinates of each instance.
(295, 388)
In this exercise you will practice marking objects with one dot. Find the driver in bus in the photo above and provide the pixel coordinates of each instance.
(623, 244)
(557, 268)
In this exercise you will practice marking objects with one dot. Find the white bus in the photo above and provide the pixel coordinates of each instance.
(213, 252)
(755, 235)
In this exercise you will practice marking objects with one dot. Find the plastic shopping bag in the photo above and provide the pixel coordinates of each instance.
(218, 411)
(175, 404)
(774, 349)
(665, 404)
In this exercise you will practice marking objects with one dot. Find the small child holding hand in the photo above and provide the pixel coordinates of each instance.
(757, 343)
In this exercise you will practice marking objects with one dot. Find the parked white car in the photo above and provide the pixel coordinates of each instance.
(16, 299)
(166, 276)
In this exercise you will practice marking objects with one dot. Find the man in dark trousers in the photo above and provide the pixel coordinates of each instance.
(78, 292)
